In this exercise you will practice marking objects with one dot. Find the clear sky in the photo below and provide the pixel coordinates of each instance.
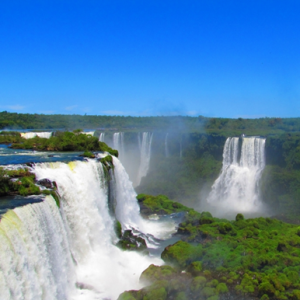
(212, 58)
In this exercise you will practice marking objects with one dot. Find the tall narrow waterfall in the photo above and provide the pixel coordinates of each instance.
(145, 155)
(166, 146)
(102, 137)
(47, 251)
(236, 189)
(118, 143)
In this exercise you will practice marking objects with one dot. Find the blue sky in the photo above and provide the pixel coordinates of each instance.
(141, 58)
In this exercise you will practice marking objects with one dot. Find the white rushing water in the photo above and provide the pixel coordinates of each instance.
(237, 187)
(35, 257)
(88, 132)
(118, 143)
(128, 211)
(102, 137)
(47, 251)
(145, 154)
(30, 135)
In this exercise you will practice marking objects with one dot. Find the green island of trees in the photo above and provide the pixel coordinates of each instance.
(61, 141)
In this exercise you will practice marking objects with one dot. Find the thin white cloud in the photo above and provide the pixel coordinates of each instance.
(192, 113)
(70, 107)
(15, 107)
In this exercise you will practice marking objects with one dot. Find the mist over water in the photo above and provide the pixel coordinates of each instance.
(166, 145)
(236, 190)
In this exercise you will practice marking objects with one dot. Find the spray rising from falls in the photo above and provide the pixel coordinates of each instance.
(237, 187)
(30, 135)
(49, 251)
(145, 155)
(166, 146)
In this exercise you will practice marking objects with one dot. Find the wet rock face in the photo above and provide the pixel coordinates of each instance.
(129, 241)
(46, 183)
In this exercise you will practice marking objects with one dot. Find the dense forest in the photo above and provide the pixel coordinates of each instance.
(222, 126)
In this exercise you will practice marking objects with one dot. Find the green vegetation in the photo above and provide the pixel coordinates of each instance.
(280, 184)
(22, 182)
(160, 205)
(246, 259)
(223, 126)
(88, 154)
(107, 161)
(64, 141)
(8, 137)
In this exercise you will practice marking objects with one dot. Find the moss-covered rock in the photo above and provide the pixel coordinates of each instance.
(129, 241)
(160, 205)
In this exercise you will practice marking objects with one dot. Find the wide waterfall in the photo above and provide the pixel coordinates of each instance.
(68, 252)
(30, 135)
(145, 155)
(237, 187)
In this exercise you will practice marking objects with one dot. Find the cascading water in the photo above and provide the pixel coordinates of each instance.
(118, 143)
(102, 137)
(36, 261)
(236, 189)
(30, 135)
(166, 146)
(49, 251)
(128, 211)
(145, 155)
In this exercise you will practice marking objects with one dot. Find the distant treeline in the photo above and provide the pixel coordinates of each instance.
(221, 126)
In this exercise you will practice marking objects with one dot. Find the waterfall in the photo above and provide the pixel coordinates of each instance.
(145, 155)
(166, 146)
(47, 251)
(88, 132)
(236, 189)
(102, 137)
(30, 135)
(36, 261)
(118, 143)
